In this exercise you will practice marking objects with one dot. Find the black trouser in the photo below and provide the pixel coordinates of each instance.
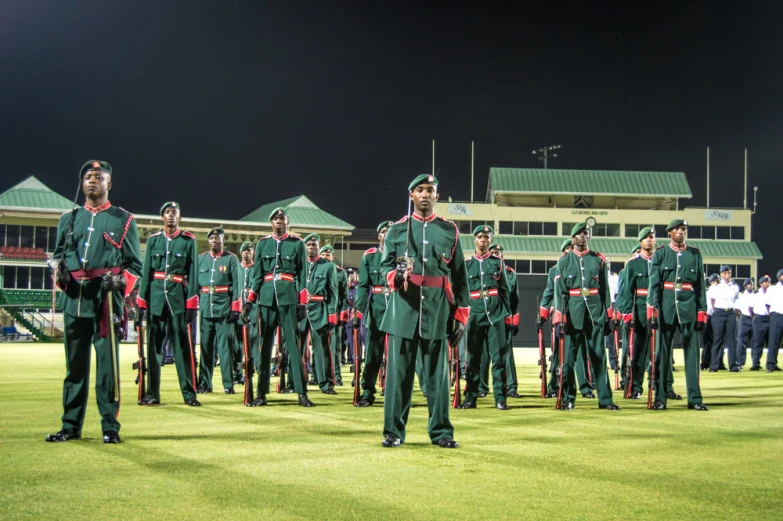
(744, 337)
(610, 350)
(724, 331)
(706, 344)
(775, 333)
(760, 338)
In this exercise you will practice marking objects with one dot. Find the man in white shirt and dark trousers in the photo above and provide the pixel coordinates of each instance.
(760, 323)
(744, 310)
(775, 306)
(724, 321)
(706, 338)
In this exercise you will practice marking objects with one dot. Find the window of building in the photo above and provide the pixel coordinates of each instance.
(567, 227)
(742, 271)
(738, 233)
(550, 264)
(660, 231)
(550, 229)
(606, 230)
(22, 277)
(48, 281)
(52, 238)
(712, 268)
(2, 234)
(464, 227)
(37, 276)
(12, 235)
(505, 228)
(522, 266)
(694, 232)
(41, 237)
(9, 277)
(632, 230)
(27, 236)
(723, 232)
(708, 232)
(616, 266)
(535, 228)
(538, 267)
(521, 228)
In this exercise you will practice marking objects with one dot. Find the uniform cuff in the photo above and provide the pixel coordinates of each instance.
(609, 314)
(130, 282)
(252, 296)
(332, 318)
(192, 302)
(557, 317)
(141, 303)
(237, 305)
(304, 296)
(701, 316)
(461, 315)
(544, 312)
(627, 318)
(390, 280)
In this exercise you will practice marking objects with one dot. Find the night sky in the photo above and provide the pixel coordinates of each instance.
(225, 106)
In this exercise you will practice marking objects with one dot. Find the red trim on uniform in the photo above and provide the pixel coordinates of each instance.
(627, 318)
(377, 289)
(358, 314)
(303, 296)
(423, 219)
(237, 305)
(583, 253)
(390, 279)
(173, 235)
(188, 234)
(251, 296)
(642, 292)
(130, 282)
(124, 233)
(578, 292)
(218, 289)
(371, 250)
(480, 257)
(557, 317)
(141, 303)
(701, 316)
(283, 237)
(544, 312)
(96, 209)
(159, 275)
(493, 292)
(686, 286)
(512, 320)
(316, 298)
(283, 276)
(652, 312)
(461, 315)
(222, 252)
(192, 302)
(672, 246)
(242, 263)
(609, 314)
(332, 319)
(456, 240)
(601, 256)
(645, 257)
(343, 316)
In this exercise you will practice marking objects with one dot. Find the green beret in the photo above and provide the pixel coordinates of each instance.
(278, 211)
(326, 249)
(676, 223)
(312, 236)
(383, 225)
(216, 230)
(245, 246)
(566, 244)
(577, 229)
(483, 228)
(645, 232)
(94, 164)
(422, 179)
(497, 247)
(635, 249)
(170, 204)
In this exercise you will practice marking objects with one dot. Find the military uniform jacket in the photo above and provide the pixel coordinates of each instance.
(424, 308)
(342, 294)
(513, 296)
(633, 287)
(246, 282)
(583, 279)
(373, 292)
(279, 272)
(219, 281)
(104, 239)
(321, 285)
(489, 301)
(547, 304)
(677, 285)
(170, 274)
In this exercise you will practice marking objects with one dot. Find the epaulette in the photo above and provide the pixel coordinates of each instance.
(509, 268)
(293, 236)
(635, 255)
(694, 248)
(188, 235)
(202, 254)
(230, 253)
(371, 250)
(401, 220)
(123, 209)
(265, 237)
(338, 267)
(601, 255)
(157, 233)
(659, 247)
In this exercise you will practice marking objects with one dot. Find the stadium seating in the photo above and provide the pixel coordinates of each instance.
(22, 253)
(27, 298)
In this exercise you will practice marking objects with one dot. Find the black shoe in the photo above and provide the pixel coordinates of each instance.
(659, 405)
(671, 395)
(304, 401)
(239, 381)
(675, 370)
(258, 402)
(312, 382)
(230, 390)
(424, 394)
(501, 406)
(203, 390)
(514, 395)
(193, 402)
(446, 443)
(353, 382)
(339, 383)
(610, 407)
(482, 394)
(770, 370)
(735, 370)
(149, 401)
(551, 395)
(111, 437)
(755, 368)
(636, 396)
(567, 406)
(589, 395)
(383, 393)
(391, 441)
(329, 391)
(469, 403)
(366, 401)
(698, 407)
(287, 390)
(722, 368)
(714, 370)
(778, 368)
(168, 361)
(63, 435)
(703, 368)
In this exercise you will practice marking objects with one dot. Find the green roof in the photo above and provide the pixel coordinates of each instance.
(32, 193)
(516, 244)
(587, 182)
(302, 212)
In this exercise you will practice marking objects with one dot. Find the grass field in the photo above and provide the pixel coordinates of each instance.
(226, 461)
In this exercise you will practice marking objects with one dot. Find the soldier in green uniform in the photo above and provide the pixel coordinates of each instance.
(97, 255)
(219, 282)
(677, 298)
(321, 319)
(372, 297)
(336, 336)
(425, 267)
(280, 290)
(246, 252)
(512, 328)
(581, 282)
(171, 301)
(489, 305)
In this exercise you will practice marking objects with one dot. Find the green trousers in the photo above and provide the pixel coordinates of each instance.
(216, 335)
(252, 347)
(402, 354)
(591, 339)
(237, 352)
(373, 358)
(511, 366)
(321, 355)
(177, 328)
(663, 361)
(641, 361)
(336, 341)
(493, 339)
(79, 334)
(584, 376)
(285, 317)
(420, 374)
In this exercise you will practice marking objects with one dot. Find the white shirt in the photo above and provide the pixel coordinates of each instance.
(745, 302)
(775, 298)
(710, 296)
(760, 302)
(614, 281)
(725, 295)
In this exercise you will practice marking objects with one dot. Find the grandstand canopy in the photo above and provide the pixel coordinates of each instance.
(302, 212)
(33, 194)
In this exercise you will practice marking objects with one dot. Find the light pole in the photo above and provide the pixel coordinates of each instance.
(546, 153)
